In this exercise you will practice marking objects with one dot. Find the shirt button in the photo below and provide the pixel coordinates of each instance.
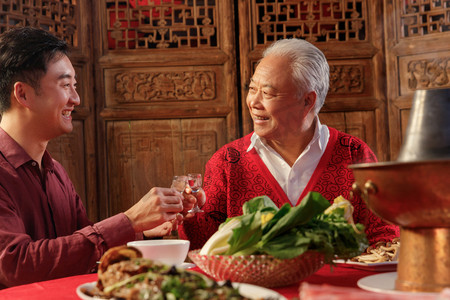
(33, 164)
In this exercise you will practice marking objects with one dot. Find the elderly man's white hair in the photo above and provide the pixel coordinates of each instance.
(309, 66)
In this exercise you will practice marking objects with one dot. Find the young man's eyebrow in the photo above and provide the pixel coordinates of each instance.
(66, 75)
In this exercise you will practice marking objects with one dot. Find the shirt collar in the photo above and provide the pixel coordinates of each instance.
(16, 155)
(256, 141)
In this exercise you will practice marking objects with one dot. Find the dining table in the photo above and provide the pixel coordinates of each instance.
(65, 288)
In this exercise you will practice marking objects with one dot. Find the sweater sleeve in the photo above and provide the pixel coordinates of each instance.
(199, 228)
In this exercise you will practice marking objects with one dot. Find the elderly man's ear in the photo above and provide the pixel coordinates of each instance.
(310, 100)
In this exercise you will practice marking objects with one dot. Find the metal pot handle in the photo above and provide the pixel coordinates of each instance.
(369, 189)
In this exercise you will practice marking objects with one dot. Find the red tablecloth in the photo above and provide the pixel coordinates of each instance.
(65, 288)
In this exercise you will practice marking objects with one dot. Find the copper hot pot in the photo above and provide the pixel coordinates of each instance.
(414, 193)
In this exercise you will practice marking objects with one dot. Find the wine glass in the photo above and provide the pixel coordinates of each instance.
(195, 183)
(179, 183)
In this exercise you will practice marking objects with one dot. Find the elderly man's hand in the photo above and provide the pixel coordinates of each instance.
(190, 199)
(165, 228)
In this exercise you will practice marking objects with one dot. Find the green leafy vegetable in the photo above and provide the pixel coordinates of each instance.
(258, 203)
(290, 231)
(309, 207)
(247, 235)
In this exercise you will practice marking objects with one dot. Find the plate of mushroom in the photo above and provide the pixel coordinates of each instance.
(383, 256)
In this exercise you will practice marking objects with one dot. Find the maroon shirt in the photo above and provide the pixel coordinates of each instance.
(44, 229)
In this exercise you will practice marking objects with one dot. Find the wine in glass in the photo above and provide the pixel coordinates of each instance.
(179, 183)
(195, 183)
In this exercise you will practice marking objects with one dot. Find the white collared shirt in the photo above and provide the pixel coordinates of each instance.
(293, 180)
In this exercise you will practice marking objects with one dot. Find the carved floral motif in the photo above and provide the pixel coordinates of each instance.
(163, 86)
(346, 79)
(429, 73)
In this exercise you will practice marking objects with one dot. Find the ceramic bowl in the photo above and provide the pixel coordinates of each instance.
(166, 251)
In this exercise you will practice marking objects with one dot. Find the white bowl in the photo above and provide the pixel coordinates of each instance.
(166, 251)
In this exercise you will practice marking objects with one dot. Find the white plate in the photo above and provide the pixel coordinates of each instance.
(247, 290)
(186, 265)
(385, 283)
(88, 287)
(380, 267)
(257, 292)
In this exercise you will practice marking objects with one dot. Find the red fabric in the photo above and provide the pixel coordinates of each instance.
(44, 230)
(326, 292)
(65, 288)
(234, 176)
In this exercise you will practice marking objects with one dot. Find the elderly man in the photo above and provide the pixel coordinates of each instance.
(290, 152)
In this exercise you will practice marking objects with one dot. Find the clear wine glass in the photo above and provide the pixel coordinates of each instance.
(195, 183)
(179, 183)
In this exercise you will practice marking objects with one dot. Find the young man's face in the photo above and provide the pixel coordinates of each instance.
(55, 99)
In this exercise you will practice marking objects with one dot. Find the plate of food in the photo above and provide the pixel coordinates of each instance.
(383, 256)
(87, 291)
(379, 267)
(124, 274)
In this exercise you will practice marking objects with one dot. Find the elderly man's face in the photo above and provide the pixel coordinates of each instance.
(273, 101)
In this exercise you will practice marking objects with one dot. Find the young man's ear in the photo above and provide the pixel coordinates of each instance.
(20, 92)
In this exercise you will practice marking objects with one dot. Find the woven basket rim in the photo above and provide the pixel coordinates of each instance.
(197, 252)
(261, 269)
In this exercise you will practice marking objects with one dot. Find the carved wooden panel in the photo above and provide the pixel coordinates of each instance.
(161, 24)
(138, 87)
(349, 34)
(148, 86)
(314, 21)
(59, 17)
(426, 71)
(360, 124)
(417, 56)
(350, 78)
(423, 17)
(68, 150)
(149, 153)
(167, 90)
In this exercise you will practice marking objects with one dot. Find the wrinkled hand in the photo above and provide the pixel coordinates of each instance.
(158, 206)
(190, 200)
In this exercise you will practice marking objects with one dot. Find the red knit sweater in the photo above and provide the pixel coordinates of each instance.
(234, 176)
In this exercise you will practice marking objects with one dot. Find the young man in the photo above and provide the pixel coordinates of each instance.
(44, 229)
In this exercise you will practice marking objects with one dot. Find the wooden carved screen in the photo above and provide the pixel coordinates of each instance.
(64, 18)
(166, 76)
(418, 56)
(349, 32)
